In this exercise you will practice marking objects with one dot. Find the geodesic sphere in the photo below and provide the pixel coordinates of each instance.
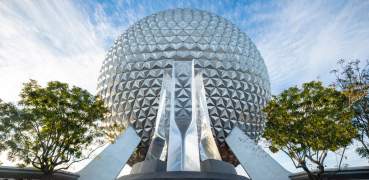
(234, 74)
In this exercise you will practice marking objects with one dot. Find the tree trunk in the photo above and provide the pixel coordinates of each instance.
(48, 175)
(343, 153)
(308, 172)
(320, 172)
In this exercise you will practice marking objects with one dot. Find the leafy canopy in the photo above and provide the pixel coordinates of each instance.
(353, 80)
(8, 112)
(306, 123)
(53, 126)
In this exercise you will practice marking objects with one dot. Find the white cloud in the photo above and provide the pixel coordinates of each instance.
(55, 40)
(304, 39)
(47, 40)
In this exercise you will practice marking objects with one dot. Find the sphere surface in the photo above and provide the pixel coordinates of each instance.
(234, 74)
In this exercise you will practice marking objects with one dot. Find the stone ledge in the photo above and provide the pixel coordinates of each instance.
(183, 175)
(333, 173)
(31, 173)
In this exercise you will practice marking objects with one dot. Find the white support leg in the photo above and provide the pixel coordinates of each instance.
(258, 164)
(108, 164)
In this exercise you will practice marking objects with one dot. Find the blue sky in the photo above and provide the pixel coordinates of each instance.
(67, 40)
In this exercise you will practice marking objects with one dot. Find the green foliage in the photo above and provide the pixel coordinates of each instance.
(353, 80)
(53, 126)
(306, 123)
(360, 121)
(7, 112)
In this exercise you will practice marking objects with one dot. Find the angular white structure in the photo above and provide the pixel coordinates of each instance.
(258, 163)
(183, 80)
(108, 164)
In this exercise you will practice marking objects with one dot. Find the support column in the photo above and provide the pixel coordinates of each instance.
(183, 146)
(108, 164)
(200, 114)
(258, 164)
(158, 145)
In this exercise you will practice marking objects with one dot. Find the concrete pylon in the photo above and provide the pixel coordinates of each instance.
(258, 164)
(108, 164)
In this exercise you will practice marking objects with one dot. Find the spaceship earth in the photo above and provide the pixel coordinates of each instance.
(234, 74)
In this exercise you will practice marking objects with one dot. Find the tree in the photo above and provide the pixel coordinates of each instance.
(53, 125)
(353, 81)
(306, 123)
(7, 112)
